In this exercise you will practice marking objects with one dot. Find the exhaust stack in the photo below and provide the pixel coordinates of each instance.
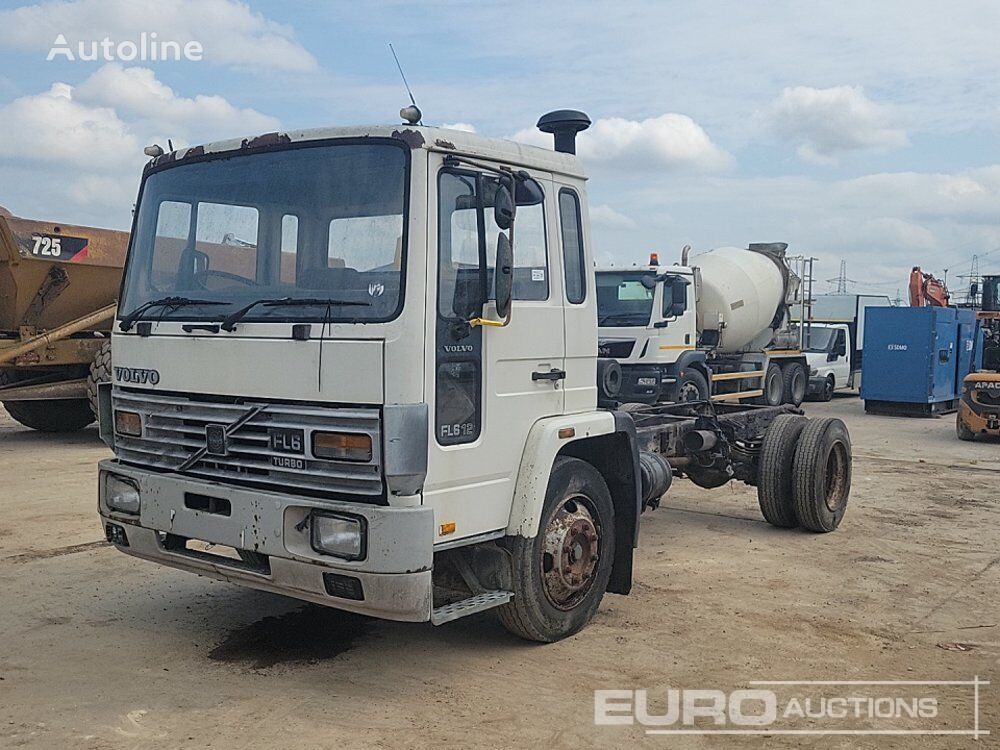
(564, 124)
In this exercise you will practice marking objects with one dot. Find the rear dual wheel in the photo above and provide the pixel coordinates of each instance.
(804, 473)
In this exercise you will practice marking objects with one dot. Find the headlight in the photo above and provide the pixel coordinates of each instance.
(813, 371)
(128, 423)
(343, 446)
(121, 495)
(341, 536)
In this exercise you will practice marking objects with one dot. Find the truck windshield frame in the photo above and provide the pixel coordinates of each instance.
(633, 309)
(819, 339)
(308, 220)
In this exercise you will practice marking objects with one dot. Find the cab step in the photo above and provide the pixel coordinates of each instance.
(477, 603)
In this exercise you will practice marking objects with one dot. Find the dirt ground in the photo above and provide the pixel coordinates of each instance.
(100, 650)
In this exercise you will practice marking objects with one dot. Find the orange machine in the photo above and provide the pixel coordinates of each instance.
(926, 290)
(979, 408)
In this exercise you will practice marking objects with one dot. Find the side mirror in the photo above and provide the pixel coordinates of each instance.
(832, 356)
(648, 282)
(504, 277)
(503, 208)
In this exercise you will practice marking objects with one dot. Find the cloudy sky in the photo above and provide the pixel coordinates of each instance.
(855, 130)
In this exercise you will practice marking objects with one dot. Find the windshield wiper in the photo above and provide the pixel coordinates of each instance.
(229, 324)
(625, 319)
(127, 321)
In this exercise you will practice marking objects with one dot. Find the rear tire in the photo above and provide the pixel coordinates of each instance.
(100, 372)
(775, 477)
(796, 384)
(774, 387)
(559, 576)
(964, 433)
(822, 475)
(63, 415)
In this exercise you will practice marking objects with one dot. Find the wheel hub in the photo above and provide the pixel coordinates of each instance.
(570, 554)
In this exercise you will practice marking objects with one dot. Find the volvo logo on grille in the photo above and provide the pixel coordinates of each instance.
(137, 375)
(215, 440)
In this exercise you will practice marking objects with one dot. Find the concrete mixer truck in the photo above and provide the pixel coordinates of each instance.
(717, 327)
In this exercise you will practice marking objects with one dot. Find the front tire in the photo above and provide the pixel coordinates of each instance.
(692, 386)
(560, 575)
(826, 393)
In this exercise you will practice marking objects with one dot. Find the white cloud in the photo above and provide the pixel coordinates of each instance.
(828, 122)
(605, 216)
(137, 91)
(54, 127)
(230, 33)
(82, 146)
(463, 126)
(670, 141)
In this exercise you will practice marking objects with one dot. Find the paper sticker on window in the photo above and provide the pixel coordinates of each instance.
(538, 274)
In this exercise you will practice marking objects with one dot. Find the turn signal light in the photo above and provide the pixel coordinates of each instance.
(342, 446)
(128, 423)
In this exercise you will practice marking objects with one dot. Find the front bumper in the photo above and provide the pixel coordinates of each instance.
(980, 418)
(816, 385)
(394, 578)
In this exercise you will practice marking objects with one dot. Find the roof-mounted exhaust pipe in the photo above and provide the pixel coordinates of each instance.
(564, 124)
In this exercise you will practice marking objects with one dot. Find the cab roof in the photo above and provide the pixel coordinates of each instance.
(414, 136)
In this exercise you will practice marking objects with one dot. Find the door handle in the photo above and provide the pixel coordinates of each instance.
(552, 374)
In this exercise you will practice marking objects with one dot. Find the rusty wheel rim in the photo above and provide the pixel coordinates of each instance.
(835, 478)
(688, 392)
(570, 553)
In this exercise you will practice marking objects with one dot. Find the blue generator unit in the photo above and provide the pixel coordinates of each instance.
(916, 358)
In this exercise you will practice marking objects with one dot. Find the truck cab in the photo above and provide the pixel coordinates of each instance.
(329, 363)
(649, 327)
(828, 349)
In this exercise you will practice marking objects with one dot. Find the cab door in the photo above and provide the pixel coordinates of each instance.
(488, 385)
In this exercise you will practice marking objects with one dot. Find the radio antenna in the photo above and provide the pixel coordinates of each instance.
(411, 114)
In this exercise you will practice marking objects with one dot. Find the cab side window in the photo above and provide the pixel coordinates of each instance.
(574, 261)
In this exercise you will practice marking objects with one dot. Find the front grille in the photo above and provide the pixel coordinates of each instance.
(616, 348)
(987, 398)
(174, 429)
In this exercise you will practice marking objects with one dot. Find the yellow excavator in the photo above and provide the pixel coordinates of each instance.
(979, 409)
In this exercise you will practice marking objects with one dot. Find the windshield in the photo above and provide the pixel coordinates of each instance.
(321, 222)
(819, 339)
(622, 300)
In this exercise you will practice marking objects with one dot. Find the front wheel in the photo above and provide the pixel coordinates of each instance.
(964, 433)
(826, 392)
(559, 576)
(692, 386)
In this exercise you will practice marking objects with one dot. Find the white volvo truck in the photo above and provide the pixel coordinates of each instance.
(717, 327)
(335, 380)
